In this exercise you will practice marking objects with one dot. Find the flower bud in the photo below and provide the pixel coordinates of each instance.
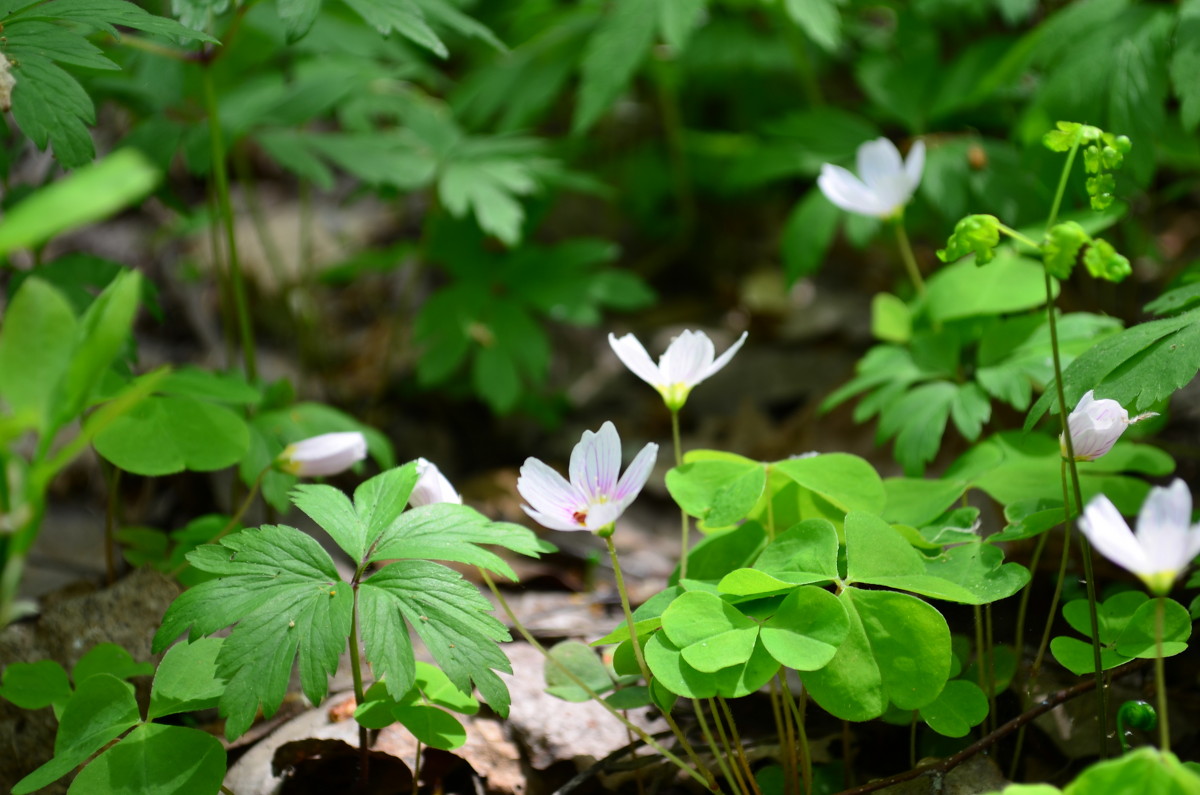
(1096, 425)
(327, 454)
(432, 486)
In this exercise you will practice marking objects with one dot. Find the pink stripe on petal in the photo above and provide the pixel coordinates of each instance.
(596, 462)
(546, 490)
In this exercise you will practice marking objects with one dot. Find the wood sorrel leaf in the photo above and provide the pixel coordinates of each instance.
(35, 685)
(711, 633)
(897, 650)
(1138, 637)
(188, 434)
(672, 672)
(717, 490)
(101, 710)
(156, 760)
(960, 707)
(806, 630)
(36, 341)
(109, 658)
(806, 553)
(187, 679)
(581, 660)
(846, 481)
(283, 594)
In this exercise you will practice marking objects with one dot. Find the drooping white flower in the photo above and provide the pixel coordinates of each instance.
(688, 360)
(1096, 425)
(1166, 540)
(327, 454)
(884, 183)
(595, 497)
(432, 486)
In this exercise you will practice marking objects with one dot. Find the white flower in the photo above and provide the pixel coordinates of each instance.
(1166, 540)
(1096, 425)
(327, 454)
(432, 486)
(688, 360)
(594, 498)
(884, 183)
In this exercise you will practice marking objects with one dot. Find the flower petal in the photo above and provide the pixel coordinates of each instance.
(914, 166)
(327, 454)
(432, 486)
(878, 162)
(596, 463)
(636, 475)
(633, 355)
(552, 521)
(848, 192)
(1163, 525)
(686, 359)
(724, 358)
(547, 492)
(1109, 533)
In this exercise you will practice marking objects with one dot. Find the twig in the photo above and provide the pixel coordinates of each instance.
(946, 765)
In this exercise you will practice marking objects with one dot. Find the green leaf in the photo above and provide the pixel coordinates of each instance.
(891, 319)
(917, 502)
(196, 382)
(960, 707)
(710, 633)
(156, 760)
(807, 234)
(444, 531)
(918, 421)
(403, 17)
(581, 660)
(806, 629)
(102, 709)
(1137, 367)
(90, 194)
(297, 16)
(980, 569)
(1008, 284)
(1138, 638)
(846, 481)
(678, 19)
(487, 187)
(611, 57)
(819, 19)
(188, 434)
(1175, 300)
(715, 554)
(495, 378)
(1185, 64)
(436, 688)
(671, 671)
(283, 593)
(1103, 262)
(449, 615)
(1061, 249)
(35, 685)
(978, 234)
(109, 658)
(51, 108)
(898, 650)
(719, 492)
(432, 726)
(187, 680)
(36, 341)
(806, 553)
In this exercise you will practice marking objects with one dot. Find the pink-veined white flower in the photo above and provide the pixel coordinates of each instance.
(1096, 425)
(432, 486)
(884, 183)
(1166, 540)
(327, 454)
(688, 360)
(595, 497)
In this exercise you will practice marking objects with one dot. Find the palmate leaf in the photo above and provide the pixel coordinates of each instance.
(281, 592)
(1138, 367)
(448, 614)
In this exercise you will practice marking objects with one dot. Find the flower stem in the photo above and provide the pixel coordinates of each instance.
(1023, 608)
(220, 171)
(683, 517)
(738, 747)
(906, 254)
(706, 778)
(1164, 729)
(1085, 548)
(797, 708)
(732, 777)
(360, 694)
